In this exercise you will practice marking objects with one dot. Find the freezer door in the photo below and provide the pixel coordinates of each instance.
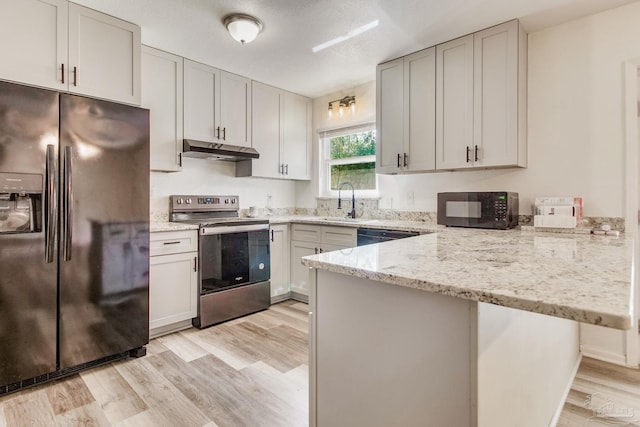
(104, 243)
(28, 264)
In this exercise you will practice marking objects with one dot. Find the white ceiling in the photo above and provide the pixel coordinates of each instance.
(282, 55)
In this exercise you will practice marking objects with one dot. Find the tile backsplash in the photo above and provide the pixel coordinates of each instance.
(368, 208)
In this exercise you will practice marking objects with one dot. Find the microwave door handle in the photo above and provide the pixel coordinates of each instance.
(51, 195)
(67, 214)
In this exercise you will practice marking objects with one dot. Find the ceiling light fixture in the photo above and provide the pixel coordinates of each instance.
(243, 28)
(348, 101)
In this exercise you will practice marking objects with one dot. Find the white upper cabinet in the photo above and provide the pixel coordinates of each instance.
(217, 105)
(266, 124)
(41, 28)
(419, 111)
(162, 95)
(500, 96)
(296, 136)
(458, 105)
(201, 101)
(281, 133)
(406, 113)
(454, 104)
(235, 109)
(104, 56)
(389, 116)
(68, 47)
(481, 99)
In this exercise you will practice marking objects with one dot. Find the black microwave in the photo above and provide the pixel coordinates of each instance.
(494, 209)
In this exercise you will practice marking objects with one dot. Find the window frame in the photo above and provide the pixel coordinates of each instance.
(326, 162)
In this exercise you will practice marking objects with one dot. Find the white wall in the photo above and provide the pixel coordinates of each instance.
(201, 176)
(306, 192)
(575, 115)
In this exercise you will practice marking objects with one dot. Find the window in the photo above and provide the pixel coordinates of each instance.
(350, 156)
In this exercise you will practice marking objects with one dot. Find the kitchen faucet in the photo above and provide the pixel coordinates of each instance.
(351, 214)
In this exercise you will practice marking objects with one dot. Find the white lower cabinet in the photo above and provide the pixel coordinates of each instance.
(173, 281)
(279, 246)
(313, 239)
(300, 273)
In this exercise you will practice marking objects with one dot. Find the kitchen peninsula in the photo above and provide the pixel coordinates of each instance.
(459, 327)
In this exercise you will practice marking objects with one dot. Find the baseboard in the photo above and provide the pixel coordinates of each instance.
(565, 394)
(280, 298)
(603, 355)
(169, 329)
(299, 297)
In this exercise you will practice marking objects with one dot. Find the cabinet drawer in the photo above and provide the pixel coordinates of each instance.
(339, 236)
(173, 242)
(306, 233)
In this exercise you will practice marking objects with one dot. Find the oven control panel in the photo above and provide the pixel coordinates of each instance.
(203, 203)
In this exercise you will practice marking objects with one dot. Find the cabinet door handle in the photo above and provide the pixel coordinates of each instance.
(321, 250)
(216, 133)
(180, 159)
(224, 134)
(281, 168)
(316, 250)
(272, 235)
(171, 243)
(475, 152)
(195, 263)
(468, 150)
(406, 161)
(286, 169)
(75, 76)
(398, 159)
(62, 73)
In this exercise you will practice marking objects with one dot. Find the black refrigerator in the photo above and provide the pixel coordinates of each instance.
(74, 233)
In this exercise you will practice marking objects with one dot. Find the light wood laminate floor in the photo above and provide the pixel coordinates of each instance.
(251, 371)
(602, 394)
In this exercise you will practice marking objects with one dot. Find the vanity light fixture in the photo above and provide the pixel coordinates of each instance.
(348, 101)
(243, 28)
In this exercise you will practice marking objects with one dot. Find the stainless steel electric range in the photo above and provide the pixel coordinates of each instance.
(233, 257)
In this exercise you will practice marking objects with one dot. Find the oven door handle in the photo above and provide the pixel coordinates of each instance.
(218, 229)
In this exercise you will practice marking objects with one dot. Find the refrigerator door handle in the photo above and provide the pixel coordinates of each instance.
(67, 212)
(51, 219)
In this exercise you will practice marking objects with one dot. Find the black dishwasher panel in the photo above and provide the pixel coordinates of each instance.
(367, 236)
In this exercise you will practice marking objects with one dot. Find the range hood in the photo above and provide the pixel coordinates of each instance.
(216, 151)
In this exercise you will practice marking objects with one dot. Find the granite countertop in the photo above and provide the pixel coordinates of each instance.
(387, 224)
(579, 277)
(156, 226)
(162, 224)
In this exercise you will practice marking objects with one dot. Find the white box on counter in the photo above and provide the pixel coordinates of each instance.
(557, 212)
(553, 221)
